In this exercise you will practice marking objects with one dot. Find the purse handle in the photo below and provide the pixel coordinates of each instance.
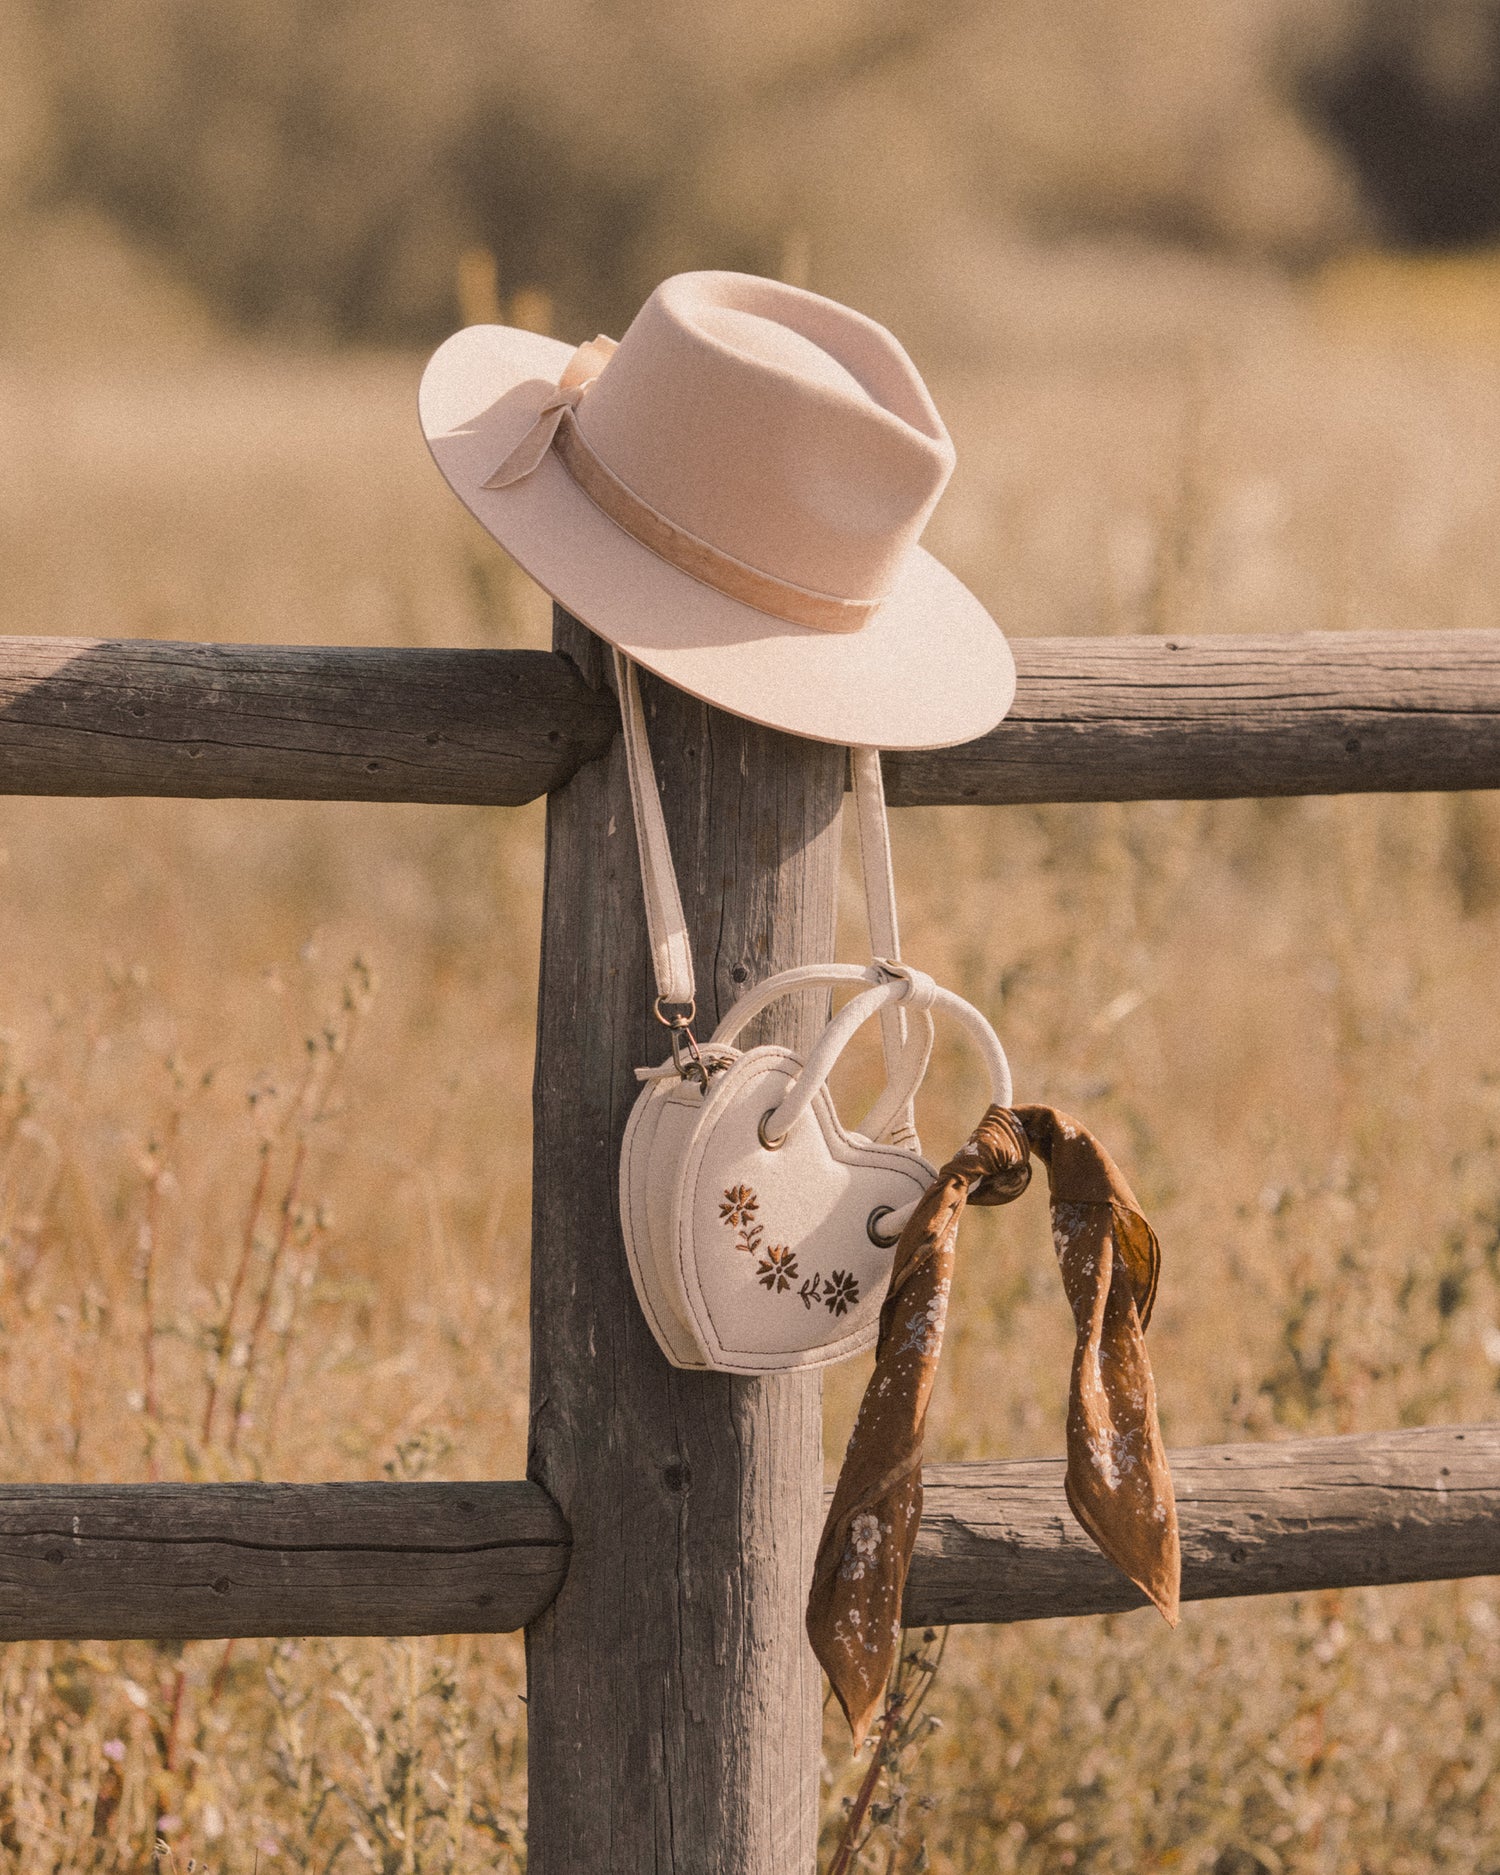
(902, 1079)
(666, 925)
(898, 985)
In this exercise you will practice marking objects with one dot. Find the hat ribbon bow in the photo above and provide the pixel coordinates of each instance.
(578, 374)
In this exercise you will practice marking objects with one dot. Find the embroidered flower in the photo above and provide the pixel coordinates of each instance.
(842, 1292)
(778, 1268)
(736, 1212)
(812, 1290)
(739, 1206)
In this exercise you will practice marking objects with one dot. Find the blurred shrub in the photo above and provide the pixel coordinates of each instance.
(1415, 100)
(318, 165)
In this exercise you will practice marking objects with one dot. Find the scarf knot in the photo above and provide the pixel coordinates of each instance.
(996, 1159)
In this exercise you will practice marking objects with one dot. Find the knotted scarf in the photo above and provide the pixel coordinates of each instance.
(1118, 1484)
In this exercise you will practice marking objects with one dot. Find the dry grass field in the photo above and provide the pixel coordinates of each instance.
(265, 1082)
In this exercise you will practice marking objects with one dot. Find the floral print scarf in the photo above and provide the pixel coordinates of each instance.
(1118, 1483)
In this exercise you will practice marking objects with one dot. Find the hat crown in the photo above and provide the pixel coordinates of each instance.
(782, 428)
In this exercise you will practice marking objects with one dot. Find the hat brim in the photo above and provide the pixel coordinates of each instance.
(929, 670)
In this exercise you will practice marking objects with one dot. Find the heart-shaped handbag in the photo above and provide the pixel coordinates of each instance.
(760, 1229)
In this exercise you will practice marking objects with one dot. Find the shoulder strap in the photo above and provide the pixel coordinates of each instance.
(666, 926)
(671, 954)
(874, 830)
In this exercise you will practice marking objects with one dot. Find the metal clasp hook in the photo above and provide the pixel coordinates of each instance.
(685, 1056)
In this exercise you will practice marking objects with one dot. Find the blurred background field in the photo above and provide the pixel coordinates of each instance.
(1209, 300)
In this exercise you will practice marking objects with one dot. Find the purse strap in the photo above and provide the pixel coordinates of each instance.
(874, 830)
(666, 924)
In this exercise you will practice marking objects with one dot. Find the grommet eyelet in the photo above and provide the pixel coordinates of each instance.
(873, 1233)
(771, 1145)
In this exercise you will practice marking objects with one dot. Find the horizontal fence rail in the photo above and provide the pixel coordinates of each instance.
(1094, 719)
(997, 1543)
(1197, 719)
(293, 722)
(199, 1561)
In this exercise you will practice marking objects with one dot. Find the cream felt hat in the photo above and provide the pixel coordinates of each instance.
(733, 496)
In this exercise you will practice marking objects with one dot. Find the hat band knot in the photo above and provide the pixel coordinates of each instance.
(555, 429)
(578, 374)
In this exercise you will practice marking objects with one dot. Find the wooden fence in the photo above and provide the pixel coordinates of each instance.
(659, 1553)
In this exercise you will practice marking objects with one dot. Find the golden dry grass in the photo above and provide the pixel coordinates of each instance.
(1281, 1016)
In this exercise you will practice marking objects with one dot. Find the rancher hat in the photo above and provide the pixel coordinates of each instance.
(733, 495)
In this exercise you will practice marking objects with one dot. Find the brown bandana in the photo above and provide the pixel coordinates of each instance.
(1118, 1484)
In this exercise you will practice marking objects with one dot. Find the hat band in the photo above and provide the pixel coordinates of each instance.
(707, 564)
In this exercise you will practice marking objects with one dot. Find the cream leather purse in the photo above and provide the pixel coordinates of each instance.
(759, 1228)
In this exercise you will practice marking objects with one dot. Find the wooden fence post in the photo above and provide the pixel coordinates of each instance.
(674, 1704)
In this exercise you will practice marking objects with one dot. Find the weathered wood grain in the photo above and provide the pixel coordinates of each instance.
(674, 1704)
(1157, 719)
(292, 722)
(1094, 719)
(188, 1561)
(998, 1542)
